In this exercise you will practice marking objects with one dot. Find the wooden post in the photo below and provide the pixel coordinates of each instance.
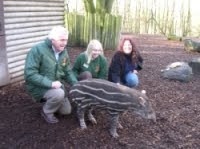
(4, 75)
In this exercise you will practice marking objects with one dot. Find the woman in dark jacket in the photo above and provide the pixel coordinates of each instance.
(125, 64)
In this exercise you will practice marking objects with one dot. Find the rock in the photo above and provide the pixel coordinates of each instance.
(192, 45)
(195, 64)
(179, 71)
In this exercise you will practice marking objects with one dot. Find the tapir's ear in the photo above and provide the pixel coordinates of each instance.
(143, 92)
(142, 101)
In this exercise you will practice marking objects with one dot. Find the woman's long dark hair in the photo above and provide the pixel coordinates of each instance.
(134, 53)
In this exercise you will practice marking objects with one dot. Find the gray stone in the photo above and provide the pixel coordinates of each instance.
(179, 71)
(192, 45)
(195, 64)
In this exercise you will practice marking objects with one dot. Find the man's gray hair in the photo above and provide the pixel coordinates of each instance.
(57, 31)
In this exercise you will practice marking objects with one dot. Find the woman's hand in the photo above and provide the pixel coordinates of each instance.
(135, 71)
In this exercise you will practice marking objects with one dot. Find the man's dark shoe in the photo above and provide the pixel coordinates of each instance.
(50, 118)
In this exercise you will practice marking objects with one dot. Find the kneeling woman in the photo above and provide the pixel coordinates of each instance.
(91, 63)
(125, 64)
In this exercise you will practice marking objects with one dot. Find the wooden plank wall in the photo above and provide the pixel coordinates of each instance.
(28, 22)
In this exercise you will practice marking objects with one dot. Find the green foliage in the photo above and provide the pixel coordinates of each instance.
(174, 37)
(84, 28)
(104, 6)
(89, 6)
(97, 23)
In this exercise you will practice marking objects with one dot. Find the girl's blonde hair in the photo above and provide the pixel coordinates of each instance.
(93, 45)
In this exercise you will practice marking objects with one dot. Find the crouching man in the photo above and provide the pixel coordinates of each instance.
(47, 67)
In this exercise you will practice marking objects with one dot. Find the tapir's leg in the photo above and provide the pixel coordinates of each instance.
(119, 125)
(114, 125)
(91, 117)
(81, 113)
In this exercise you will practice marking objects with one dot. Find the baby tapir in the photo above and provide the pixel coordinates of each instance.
(98, 93)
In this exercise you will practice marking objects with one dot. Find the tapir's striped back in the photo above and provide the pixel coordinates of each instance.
(92, 93)
(101, 93)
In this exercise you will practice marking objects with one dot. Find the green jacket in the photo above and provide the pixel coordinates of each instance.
(98, 67)
(42, 68)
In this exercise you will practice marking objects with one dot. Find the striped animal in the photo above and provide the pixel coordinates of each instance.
(98, 93)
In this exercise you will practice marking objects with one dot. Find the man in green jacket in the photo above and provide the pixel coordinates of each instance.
(91, 63)
(47, 67)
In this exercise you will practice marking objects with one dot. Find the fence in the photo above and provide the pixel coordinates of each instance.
(83, 28)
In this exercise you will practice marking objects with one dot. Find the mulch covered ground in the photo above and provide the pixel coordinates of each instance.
(177, 106)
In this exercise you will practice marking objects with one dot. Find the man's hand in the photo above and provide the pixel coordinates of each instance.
(56, 84)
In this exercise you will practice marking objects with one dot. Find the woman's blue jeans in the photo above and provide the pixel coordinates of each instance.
(131, 80)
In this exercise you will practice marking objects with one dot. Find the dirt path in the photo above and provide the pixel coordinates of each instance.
(177, 107)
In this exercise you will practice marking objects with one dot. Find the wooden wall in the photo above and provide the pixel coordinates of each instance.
(27, 22)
